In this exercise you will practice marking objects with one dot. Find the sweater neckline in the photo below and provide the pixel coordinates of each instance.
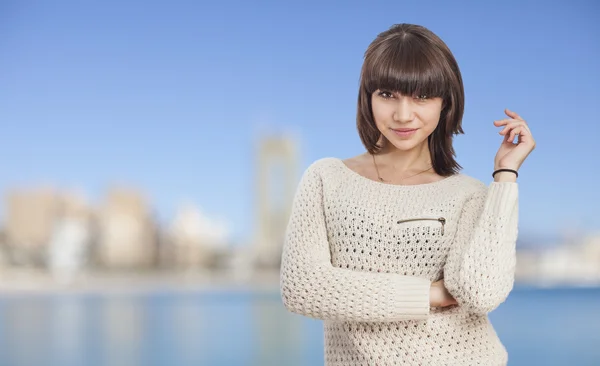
(407, 186)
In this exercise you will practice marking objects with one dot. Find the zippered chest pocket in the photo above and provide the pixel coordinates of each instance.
(413, 222)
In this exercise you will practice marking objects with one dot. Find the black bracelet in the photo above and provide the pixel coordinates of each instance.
(505, 170)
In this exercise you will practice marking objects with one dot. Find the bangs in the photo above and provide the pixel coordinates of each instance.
(407, 69)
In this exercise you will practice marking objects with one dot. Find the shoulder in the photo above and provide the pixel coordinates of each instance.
(319, 170)
(472, 187)
(328, 172)
(322, 166)
(323, 163)
(471, 183)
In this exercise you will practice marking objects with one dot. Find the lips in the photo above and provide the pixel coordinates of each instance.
(404, 129)
(404, 132)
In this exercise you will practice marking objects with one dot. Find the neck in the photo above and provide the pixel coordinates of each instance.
(404, 160)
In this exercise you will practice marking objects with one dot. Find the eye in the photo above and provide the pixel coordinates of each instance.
(385, 94)
(422, 97)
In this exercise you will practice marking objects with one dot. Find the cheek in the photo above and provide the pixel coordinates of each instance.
(380, 111)
(431, 116)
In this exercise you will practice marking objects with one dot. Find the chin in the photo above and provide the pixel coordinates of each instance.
(406, 143)
(404, 146)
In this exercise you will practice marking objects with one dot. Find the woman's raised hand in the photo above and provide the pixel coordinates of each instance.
(511, 155)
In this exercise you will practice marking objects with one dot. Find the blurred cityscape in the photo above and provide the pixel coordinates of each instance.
(53, 238)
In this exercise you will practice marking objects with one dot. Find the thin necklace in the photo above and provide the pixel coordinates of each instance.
(410, 176)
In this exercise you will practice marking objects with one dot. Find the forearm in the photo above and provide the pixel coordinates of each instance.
(328, 293)
(479, 271)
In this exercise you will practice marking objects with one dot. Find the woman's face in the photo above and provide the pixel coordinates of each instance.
(394, 113)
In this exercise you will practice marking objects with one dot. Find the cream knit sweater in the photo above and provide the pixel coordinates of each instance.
(361, 255)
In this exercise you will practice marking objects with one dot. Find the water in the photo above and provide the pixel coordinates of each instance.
(538, 327)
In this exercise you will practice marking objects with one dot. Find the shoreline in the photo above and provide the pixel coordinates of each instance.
(38, 282)
(41, 282)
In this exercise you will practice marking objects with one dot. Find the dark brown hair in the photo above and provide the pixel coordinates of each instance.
(412, 60)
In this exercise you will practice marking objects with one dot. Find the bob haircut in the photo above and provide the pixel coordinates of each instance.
(411, 60)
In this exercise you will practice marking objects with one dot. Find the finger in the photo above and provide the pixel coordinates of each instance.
(501, 122)
(523, 134)
(514, 132)
(510, 126)
(512, 114)
(506, 139)
(525, 129)
(525, 137)
(509, 133)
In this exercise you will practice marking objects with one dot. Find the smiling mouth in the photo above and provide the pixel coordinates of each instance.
(403, 129)
(404, 132)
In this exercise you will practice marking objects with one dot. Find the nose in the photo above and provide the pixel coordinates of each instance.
(404, 111)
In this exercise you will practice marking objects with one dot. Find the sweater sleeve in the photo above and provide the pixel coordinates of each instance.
(480, 267)
(310, 285)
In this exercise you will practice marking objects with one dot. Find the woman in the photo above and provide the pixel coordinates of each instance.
(400, 254)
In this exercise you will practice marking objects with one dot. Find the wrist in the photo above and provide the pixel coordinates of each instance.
(504, 174)
(505, 177)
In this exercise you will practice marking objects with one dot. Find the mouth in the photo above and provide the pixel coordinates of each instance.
(404, 132)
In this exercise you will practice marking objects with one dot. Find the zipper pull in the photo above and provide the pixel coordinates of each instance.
(443, 221)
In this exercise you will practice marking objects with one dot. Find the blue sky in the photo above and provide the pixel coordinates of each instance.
(170, 96)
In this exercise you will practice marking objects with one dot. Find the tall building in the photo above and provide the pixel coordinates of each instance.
(29, 221)
(195, 239)
(3, 256)
(72, 235)
(276, 180)
(127, 234)
(33, 216)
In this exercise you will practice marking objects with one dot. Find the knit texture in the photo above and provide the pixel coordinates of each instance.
(361, 255)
